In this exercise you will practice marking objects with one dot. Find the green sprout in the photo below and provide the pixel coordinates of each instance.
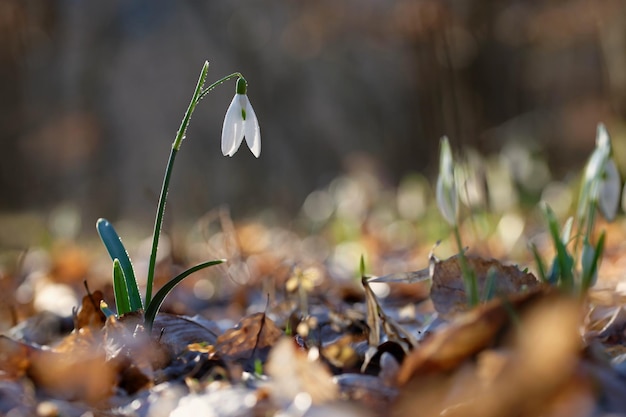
(240, 122)
(600, 191)
(448, 204)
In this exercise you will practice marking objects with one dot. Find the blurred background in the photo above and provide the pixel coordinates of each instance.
(92, 93)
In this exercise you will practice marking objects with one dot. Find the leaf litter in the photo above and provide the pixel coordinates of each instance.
(287, 333)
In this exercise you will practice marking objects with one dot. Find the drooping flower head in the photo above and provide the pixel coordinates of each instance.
(240, 122)
(447, 198)
(601, 182)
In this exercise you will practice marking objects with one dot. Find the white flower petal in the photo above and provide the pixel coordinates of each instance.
(252, 132)
(233, 128)
(610, 189)
(446, 186)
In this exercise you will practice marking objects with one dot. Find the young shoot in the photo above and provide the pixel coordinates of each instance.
(240, 122)
(599, 191)
(448, 202)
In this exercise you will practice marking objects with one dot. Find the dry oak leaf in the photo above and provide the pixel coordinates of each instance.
(251, 339)
(178, 332)
(448, 288)
(90, 314)
(466, 335)
(539, 374)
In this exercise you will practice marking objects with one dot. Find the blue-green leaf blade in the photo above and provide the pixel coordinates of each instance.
(122, 302)
(116, 250)
(563, 258)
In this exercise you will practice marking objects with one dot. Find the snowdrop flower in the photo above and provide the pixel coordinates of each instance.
(447, 198)
(240, 121)
(601, 183)
(610, 190)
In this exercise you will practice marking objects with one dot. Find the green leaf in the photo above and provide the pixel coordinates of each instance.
(122, 302)
(563, 259)
(157, 300)
(555, 272)
(117, 250)
(362, 266)
(590, 259)
(541, 269)
(490, 285)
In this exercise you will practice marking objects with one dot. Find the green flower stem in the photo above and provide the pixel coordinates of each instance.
(180, 135)
(471, 287)
(588, 222)
(157, 225)
(593, 206)
(220, 81)
(198, 94)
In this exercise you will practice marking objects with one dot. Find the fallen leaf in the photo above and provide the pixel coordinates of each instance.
(294, 371)
(369, 390)
(539, 374)
(466, 335)
(251, 339)
(14, 358)
(89, 314)
(448, 288)
(177, 332)
(82, 376)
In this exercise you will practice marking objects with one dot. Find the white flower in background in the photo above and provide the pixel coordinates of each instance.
(610, 190)
(447, 198)
(602, 182)
(240, 122)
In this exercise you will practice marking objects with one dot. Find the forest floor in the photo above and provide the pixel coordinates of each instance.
(293, 325)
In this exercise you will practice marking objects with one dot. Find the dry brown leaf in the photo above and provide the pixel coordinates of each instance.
(79, 340)
(127, 343)
(252, 338)
(82, 375)
(538, 375)
(77, 372)
(90, 314)
(294, 372)
(14, 358)
(178, 332)
(448, 288)
(341, 352)
(466, 335)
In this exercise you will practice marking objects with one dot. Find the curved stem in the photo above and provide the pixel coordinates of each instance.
(180, 135)
(157, 225)
(471, 286)
(218, 82)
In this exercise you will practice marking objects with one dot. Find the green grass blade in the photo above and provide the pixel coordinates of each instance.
(117, 250)
(565, 261)
(590, 272)
(489, 290)
(157, 300)
(541, 268)
(122, 302)
(362, 266)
